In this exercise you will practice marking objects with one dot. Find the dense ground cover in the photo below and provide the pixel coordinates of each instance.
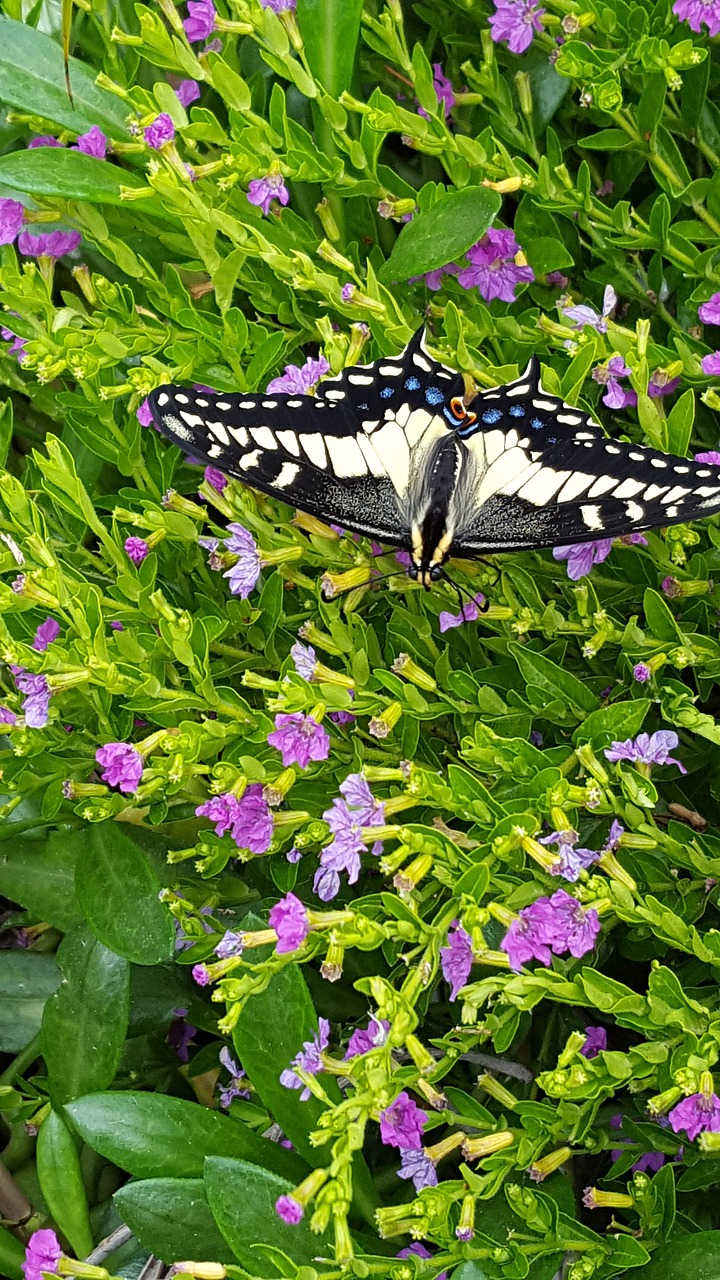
(346, 930)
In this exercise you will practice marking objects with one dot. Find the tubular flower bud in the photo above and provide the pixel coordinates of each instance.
(477, 1148)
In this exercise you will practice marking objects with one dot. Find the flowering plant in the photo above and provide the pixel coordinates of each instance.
(349, 928)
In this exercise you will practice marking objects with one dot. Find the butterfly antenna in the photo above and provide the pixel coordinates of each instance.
(459, 590)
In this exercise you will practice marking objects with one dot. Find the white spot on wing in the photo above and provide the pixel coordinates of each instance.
(634, 511)
(249, 459)
(569, 419)
(421, 363)
(573, 487)
(520, 390)
(591, 517)
(240, 435)
(181, 398)
(289, 442)
(392, 449)
(219, 430)
(163, 399)
(375, 466)
(201, 404)
(656, 462)
(653, 491)
(360, 380)
(675, 494)
(315, 449)
(288, 472)
(335, 395)
(389, 370)
(549, 405)
(264, 437)
(244, 404)
(628, 489)
(416, 425)
(293, 404)
(192, 419)
(345, 456)
(543, 487)
(602, 485)
(225, 405)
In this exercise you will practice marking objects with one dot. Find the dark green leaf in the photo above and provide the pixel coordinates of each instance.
(330, 31)
(547, 675)
(695, 1257)
(614, 723)
(443, 234)
(118, 894)
(6, 430)
(70, 175)
(26, 981)
(40, 875)
(12, 1255)
(61, 1180)
(171, 1218)
(242, 1198)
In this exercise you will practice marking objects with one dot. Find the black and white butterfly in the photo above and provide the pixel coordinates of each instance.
(392, 450)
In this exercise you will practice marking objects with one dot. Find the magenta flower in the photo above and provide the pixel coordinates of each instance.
(434, 279)
(144, 414)
(122, 765)
(444, 93)
(11, 220)
(641, 672)
(647, 749)
(469, 612)
(551, 926)
(290, 921)
(300, 739)
(699, 1113)
(44, 140)
(216, 479)
(515, 22)
(346, 819)
(308, 1059)
(188, 91)
(571, 861)
(418, 1166)
(304, 659)
(300, 381)
(710, 455)
(289, 1210)
(608, 375)
(401, 1124)
(493, 270)
(699, 12)
(42, 1253)
(262, 191)
(456, 958)
(595, 1042)
(48, 631)
(8, 719)
(17, 349)
(245, 572)
(581, 556)
(136, 549)
(223, 811)
(363, 1039)
(248, 819)
(49, 244)
(711, 364)
(201, 21)
(231, 944)
(36, 703)
(160, 132)
(584, 315)
(200, 975)
(233, 1089)
(93, 143)
(709, 312)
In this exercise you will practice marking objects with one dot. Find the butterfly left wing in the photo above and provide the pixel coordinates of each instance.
(545, 475)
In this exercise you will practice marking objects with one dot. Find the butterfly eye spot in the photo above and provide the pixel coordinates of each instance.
(412, 384)
(434, 395)
(492, 415)
(386, 393)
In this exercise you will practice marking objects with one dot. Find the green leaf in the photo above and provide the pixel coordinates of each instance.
(6, 430)
(171, 1218)
(330, 30)
(606, 140)
(40, 875)
(61, 1182)
(12, 1255)
(158, 1137)
(69, 175)
(680, 423)
(441, 235)
(546, 254)
(118, 894)
(84, 1024)
(32, 79)
(659, 618)
(614, 723)
(541, 671)
(242, 1198)
(27, 980)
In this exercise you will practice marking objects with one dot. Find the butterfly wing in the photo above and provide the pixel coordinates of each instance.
(541, 473)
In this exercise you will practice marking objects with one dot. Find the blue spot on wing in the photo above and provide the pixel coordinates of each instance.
(434, 395)
(537, 424)
(492, 415)
(517, 411)
(412, 384)
(386, 393)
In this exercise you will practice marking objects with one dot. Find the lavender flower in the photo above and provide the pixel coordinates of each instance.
(710, 455)
(699, 1113)
(180, 1034)
(201, 22)
(233, 1089)
(401, 1124)
(136, 549)
(493, 270)
(160, 132)
(49, 244)
(456, 959)
(363, 1039)
(200, 975)
(290, 921)
(188, 91)
(36, 703)
(304, 659)
(557, 279)
(8, 719)
(231, 944)
(418, 1166)
(711, 364)
(17, 349)
(469, 612)
(248, 819)
(551, 926)
(245, 572)
(300, 381)
(44, 140)
(11, 220)
(581, 556)
(641, 672)
(93, 143)
(280, 6)
(309, 1059)
(699, 12)
(122, 765)
(444, 93)
(48, 631)
(434, 279)
(262, 191)
(709, 312)
(516, 21)
(571, 861)
(347, 292)
(647, 749)
(584, 315)
(346, 819)
(595, 1042)
(42, 1253)
(300, 739)
(144, 413)
(291, 1212)
(216, 479)
(608, 375)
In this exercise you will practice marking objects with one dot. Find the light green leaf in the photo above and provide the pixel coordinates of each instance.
(443, 234)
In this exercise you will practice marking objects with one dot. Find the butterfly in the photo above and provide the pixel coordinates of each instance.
(394, 450)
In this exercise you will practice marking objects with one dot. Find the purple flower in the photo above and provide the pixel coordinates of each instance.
(290, 921)
(17, 349)
(300, 739)
(48, 631)
(201, 22)
(456, 959)
(231, 944)
(647, 749)
(699, 1113)
(434, 279)
(36, 704)
(8, 719)
(551, 926)
(416, 1250)
(493, 270)
(245, 572)
(581, 556)
(648, 1163)
(180, 1034)
(697, 12)
(444, 93)
(516, 22)
(144, 414)
(595, 1042)
(216, 479)
(660, 385)
(346, 819)
(289, 1210)
(187, 91)
(418, 1166)
(557, 279)
(710, 455)
(584, 315)
(363, 1039)
(308, 1059)
(93, 143)
(280, 6)
(11, 220)
(233, 1089)
(262, 191)
(469, 612)
(347, 291)
(711, 364)
(49, 244)
(709, 312)
(304, 659)
(44, 140)
(608, 375)
(122, 765)
(571, 861)
(136, 549)
(200, 975)
(641, 672)
(42, 1253)
(248, 819)
(160, 132)
(299, 381)
(401, 1124)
